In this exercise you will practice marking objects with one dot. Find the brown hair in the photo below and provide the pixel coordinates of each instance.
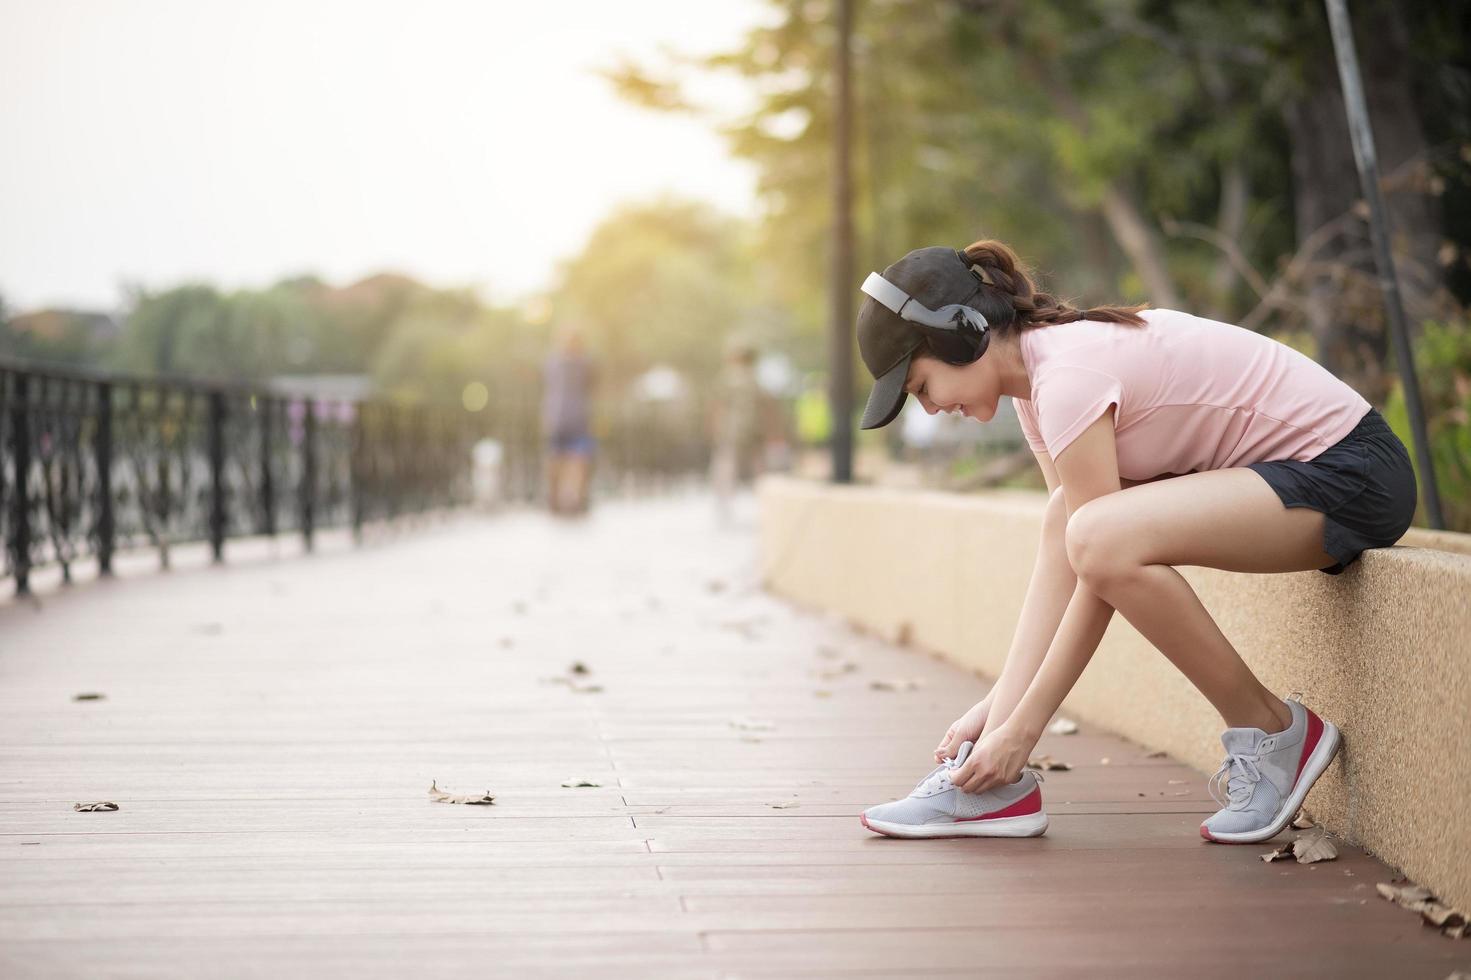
(1017, 304)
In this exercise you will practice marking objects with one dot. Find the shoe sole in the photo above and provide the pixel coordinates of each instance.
(1026, 825)
(1318, 762)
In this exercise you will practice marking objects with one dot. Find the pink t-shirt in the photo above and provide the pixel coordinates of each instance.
(1192, 394)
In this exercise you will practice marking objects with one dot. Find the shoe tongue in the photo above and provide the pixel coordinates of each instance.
(1242, 741)
(963, 752)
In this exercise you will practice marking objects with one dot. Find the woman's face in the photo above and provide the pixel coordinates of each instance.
(970, 389)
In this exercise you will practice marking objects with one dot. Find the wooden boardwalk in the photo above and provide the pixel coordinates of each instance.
(271, 728)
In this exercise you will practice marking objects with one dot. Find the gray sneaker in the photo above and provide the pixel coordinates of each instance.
(938, 809)
(1267, 777)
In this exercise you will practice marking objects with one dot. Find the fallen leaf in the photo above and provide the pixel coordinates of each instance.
(1063, 726)
(1280, 854)
(908, 684)
(1314, 846)
(784, 806)
(1442, 916)
(578, 667)
(752, 724)
(1457, 932)
(89, 807)
(1409, 894)
(89, 696)
(1302, 821)
(440, 796)
(1048, 763)
(579, 783)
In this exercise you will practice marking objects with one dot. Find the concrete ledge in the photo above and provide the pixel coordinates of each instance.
(1383, 650)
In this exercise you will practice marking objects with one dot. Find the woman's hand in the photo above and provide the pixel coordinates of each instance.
(967, 728)
(996, 761)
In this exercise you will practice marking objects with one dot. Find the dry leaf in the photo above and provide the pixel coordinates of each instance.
(1048, 763)
(578, 667)
(1280, 854)
(89, 807)
(1314, 846)
(1409, 894)
(908, 684)
(838, 671)
(579, 783)
(752, 725)
(89, 696)
(1442, 916)
(783, 806)
(1302, 821)
(440, 796)
(1457, 932)
(1063, 726)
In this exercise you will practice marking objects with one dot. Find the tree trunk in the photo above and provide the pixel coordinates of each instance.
(1138, 240)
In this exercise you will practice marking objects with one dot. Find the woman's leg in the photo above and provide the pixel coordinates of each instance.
(1048, 593)
(1123, 545)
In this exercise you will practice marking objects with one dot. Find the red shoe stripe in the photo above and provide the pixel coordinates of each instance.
(1310, 742)
(1031, 803)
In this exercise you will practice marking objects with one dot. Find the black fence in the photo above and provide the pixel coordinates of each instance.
(92, 464)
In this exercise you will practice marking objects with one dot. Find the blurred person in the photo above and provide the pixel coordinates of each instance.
(567, 383)
(738, 425)
(1165, 439)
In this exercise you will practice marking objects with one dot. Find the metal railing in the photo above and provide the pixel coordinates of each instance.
(94, 463)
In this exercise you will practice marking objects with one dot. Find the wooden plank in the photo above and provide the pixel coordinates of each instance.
(270, 730)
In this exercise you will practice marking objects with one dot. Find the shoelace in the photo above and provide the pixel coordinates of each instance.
(941, 773)
(1243, 773)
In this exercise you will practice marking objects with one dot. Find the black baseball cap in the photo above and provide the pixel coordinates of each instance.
(936, 276)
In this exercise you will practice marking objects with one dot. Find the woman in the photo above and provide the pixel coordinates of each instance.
(1165, 439)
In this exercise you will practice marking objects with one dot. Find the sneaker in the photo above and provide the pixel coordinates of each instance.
(938, 809)
(1267, 777)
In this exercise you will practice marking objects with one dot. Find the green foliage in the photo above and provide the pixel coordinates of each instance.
(662, 283)
(1443, 363)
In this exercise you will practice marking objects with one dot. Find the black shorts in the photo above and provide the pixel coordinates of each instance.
(1364, 486)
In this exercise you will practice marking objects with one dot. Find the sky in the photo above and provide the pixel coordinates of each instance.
(152, 142)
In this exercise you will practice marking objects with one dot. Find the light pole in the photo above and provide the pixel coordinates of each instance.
(841, 286)
(1362, 135)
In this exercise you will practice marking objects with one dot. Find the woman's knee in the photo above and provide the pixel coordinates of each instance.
(1094, 548)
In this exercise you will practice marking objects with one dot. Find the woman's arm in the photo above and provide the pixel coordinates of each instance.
(1087, 468)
